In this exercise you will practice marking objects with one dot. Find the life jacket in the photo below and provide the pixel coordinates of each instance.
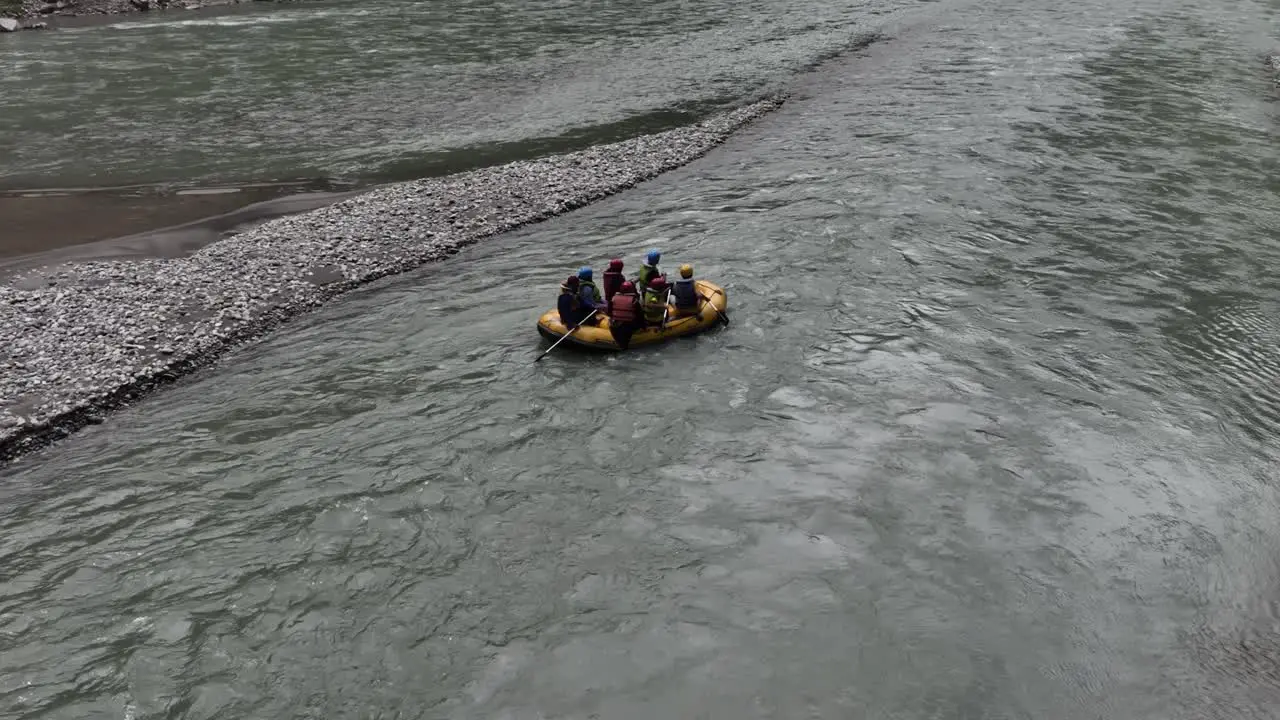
(655, 306)
(595, 291)
(624, 309)
(647, 273)
(612, 281)
(685, 294)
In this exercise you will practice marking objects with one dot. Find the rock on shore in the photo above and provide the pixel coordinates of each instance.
(79, 340)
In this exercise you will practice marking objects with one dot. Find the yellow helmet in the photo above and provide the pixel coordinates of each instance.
(686, 271)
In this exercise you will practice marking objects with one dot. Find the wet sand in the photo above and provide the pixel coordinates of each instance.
(43, 227)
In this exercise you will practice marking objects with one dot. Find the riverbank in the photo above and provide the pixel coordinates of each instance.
(55, 14)
(42, 9)
(83, 339)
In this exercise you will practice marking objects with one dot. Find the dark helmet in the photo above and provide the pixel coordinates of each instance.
(615, 265)
(570, 282)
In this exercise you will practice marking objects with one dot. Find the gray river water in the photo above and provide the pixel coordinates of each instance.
(991, 434)
(353, 90)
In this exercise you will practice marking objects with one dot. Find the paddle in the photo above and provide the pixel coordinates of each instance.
(566, 335)
(666, 308)
(723, 316)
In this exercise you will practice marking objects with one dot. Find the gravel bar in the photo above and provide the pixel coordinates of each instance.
(82, 339)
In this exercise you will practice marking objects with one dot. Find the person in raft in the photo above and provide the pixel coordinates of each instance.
(569, 303)
(655, 302)
(625, 314)
(685, 293)
(589, 296)
(649, 270)
(612, 281)
(587, 287)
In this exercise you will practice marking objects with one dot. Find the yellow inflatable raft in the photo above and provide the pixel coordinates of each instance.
(598, 337)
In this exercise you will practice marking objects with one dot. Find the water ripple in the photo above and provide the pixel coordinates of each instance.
(990, 433)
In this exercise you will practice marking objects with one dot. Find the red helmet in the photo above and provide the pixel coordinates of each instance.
(615, 265)
(658, 282)
(627, 287)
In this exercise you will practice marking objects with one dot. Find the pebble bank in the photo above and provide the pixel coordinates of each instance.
(79, 340)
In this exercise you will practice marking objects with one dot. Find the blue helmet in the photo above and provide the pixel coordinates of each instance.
(584, 273)
(653, 257)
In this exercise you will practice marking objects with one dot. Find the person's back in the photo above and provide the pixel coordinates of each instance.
(588, 293)
(612, 280)
(625, 314)
(568, 304)
(625, 307)
(585, 283)
(655, 301)
(685, 292)
(648, 271)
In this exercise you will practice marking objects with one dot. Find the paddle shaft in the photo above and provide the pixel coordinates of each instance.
(721, 315)
(566, 335)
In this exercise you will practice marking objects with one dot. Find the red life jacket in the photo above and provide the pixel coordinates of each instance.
(625, 309)
(612, 281)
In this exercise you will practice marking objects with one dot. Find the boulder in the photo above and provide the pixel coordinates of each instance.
(143, 5)
(35, 26)
(9, 25)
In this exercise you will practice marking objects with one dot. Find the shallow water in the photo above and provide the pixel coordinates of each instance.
(991, 434)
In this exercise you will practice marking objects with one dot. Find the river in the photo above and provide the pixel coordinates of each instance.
(162, 119)
(350, 91)
(991, 433)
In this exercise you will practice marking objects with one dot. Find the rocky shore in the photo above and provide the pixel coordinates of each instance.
(31, 14)
(40, 8)
(79, 340)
